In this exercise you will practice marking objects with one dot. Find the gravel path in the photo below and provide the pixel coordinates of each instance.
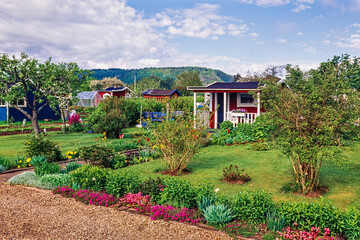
(37, 214)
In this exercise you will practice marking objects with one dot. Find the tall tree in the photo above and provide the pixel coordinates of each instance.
(25, 77)
(313, 112)
(185, 79)
(105, 83)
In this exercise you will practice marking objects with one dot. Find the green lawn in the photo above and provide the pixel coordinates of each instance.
(269, 171)
(14, 145)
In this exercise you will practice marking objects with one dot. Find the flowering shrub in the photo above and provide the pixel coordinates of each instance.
(137, 201)
(239, 110)
(75, 123)
(314, 234)
(232, 174)
(71, 155)
(168, 212)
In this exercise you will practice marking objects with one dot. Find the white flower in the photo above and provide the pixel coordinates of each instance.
(93, 179)
(216, 190)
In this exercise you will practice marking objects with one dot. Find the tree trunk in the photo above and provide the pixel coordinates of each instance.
(62, 112)
(35, 123)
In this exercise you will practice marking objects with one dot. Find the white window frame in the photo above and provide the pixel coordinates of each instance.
(127, 95)
(23, 105)
(2, 103)
(240, 104)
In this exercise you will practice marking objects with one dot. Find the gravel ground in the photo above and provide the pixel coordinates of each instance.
(27, 213)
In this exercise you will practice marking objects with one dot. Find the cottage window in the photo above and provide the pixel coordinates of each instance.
(245, 99)
(2, 103)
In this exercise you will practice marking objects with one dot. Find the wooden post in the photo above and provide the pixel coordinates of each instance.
(225, 106)
(258, 104)
(167, 111)
(216, 110)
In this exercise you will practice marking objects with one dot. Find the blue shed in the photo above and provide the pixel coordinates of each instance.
(7, 112)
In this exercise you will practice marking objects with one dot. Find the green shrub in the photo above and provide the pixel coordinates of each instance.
(119, 161)
(120, 183)
(232, 174)
(113, 123)
(229, 141)
(185, 193)
(47, 168)
(2, 168)
(260, 146)
(252, 206)
(29, 179)
(96, 155)
(307, 215)
(90, 177)
(42, 145)
(37, 160)
(218, 214)
(57, 180)
(204, 203)
(352, 224)
(71, 167)
(8, 163)
(226, 125)
(152, 187)
(120, 145)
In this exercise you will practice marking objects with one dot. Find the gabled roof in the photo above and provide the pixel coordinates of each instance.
(88, 95)
(228, 86)
(114, 89)
(159, 92)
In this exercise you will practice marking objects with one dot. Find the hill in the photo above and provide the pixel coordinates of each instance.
(207, 75)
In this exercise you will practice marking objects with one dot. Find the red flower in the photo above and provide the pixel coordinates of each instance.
(228, 130)
(147, 139)
(139, 140)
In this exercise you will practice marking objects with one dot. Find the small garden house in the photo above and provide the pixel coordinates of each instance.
(115, 91)
(230, 101)
(89, 99)
(160, 94)
(8, 113)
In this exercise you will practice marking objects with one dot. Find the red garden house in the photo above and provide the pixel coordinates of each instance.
(115, 91)
(160, 94)
(230, 101)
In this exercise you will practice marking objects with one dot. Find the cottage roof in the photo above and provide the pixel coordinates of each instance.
(227, 86)
(114, 89)
(87, 95)
(159, 92)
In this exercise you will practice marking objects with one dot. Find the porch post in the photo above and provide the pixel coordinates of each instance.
(225, 106)
(216, 110)
(195, 104)
(258, 103)
(7, 112)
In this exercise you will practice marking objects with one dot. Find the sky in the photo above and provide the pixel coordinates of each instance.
(235, 36)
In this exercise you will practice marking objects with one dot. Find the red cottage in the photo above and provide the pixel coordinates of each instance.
(115, 91)
(160, 95)
(230, 101)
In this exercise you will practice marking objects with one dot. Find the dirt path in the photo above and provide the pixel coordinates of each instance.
(37, 214)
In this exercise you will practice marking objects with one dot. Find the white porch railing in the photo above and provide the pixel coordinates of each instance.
(237, 118)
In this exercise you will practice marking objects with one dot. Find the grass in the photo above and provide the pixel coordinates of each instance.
(13, 145)
(269, 170)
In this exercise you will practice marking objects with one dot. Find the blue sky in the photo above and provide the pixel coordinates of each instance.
(236, 36)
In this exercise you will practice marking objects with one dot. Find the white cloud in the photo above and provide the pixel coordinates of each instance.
(266, 3)
(343, 6)
(350, 38)
(253, 35)
(282, 41)
(300, 8)
(306, 1)
(202, 21)
(286, 27)
(300, 34)
(312, 50)
(326, 42)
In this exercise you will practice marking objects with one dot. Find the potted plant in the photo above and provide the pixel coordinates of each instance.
(240, 112)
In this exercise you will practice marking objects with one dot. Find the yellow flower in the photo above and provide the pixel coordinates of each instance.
(29, 165)
(102, 139)
(104, 133)
(75, 152)
(69, 153)
(105, 138)
(28, 160)
(69, 157)
(19, 166)
(20, 161)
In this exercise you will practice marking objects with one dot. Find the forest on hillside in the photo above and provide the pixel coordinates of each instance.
(207, 75)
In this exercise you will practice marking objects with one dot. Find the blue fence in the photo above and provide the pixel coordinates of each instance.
(3, 114)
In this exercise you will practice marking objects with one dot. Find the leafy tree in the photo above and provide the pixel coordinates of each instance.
(46, 81)
(106, 83)
(185, 79)
(313, 112)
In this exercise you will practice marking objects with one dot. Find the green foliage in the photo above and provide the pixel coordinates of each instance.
(47, 168)
(2, 168)
(178, 140)
(44, 146)
(232, 174)
(90, 177)
(57, 180)
(260, 146)
(120, 145)
(96, 155)
(72, 166)
(252, 206)
(307, 215)
(229, 141)
(312, 112)
(119, 161)
(7, 162)
(275, 221)
(38, 160)
(120, 183)
(152, 187)
(204, 203)
(226, 125)
(352, 224)
(29, 179)
(185, 193)
(218, 214)
(186, 79)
